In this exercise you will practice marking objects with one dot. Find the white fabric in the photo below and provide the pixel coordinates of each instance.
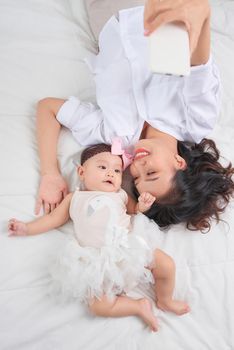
(106, 258)
(128, 94)
(96, 212)
(42, 47)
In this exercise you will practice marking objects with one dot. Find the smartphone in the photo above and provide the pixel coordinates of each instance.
(169, 50)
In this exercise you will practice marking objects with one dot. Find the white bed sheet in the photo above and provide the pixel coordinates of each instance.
(42, 44)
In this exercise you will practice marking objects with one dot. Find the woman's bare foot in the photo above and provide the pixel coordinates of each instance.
(146, 313)
(175, 306)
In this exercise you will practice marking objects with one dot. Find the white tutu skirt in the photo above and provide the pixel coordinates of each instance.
(85, 273)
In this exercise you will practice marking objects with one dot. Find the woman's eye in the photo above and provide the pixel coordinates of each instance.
(151, 172)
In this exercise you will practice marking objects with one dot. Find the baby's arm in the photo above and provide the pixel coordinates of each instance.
(145, 201)
(45, 223)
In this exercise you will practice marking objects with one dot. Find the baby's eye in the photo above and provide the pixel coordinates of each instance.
(102, 167)
(118, 171)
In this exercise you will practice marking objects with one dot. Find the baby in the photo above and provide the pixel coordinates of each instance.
(109, 260)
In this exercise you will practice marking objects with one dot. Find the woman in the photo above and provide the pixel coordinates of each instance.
(165, 117)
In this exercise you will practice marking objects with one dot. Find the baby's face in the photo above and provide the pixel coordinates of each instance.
(102, 172)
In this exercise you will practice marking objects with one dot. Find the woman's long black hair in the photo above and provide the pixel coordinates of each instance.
(199, 193)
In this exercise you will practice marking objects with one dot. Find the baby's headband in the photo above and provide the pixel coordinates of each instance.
(115, 149)
(93, 151)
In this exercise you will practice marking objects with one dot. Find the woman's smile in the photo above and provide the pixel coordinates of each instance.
(140, 153)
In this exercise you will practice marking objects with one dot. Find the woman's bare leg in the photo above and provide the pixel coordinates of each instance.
(124, 306)
(163, 270)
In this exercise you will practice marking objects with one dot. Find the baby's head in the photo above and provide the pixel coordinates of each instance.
(100, 170)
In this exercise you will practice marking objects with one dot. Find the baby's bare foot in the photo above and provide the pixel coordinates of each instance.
(176, 306)
(146, 313)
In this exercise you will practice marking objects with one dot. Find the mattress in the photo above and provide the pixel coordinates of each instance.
(42, 47)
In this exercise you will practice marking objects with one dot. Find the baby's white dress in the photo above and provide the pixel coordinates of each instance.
(105, 258)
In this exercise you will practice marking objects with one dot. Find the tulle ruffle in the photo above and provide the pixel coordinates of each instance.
(85, 273)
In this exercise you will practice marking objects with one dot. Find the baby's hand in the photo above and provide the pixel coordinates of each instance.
(145, 201)
(17, 228)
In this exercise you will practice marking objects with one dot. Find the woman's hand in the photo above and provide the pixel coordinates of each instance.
(193, 13)
(52, 190)
(17, 228)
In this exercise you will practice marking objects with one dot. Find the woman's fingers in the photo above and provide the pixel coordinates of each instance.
(64, 192)
(154, 7)
(38, 206)
(176, 16)
(167, 17)
(46, 208)
(192, 13)
(51, 191)
(52, 206)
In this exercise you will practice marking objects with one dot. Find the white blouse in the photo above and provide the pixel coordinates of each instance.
(128, 93)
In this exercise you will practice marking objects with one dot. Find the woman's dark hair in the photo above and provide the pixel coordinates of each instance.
(199, 193)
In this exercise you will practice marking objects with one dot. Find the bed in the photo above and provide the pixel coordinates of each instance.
(42, 47)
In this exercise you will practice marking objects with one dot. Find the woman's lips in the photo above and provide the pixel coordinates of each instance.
(140, 153)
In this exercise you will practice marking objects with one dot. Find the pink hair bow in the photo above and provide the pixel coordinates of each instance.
(116, 149)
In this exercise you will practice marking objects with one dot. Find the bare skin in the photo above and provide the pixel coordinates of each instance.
(156, 162)
(162, 268)
(53, 187)
(124, 306)
(196, 16)
(52, 194)
(107, 168)
(177, 307)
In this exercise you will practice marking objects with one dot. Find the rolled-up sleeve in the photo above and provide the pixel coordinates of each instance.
(202, 100)
(84, 119)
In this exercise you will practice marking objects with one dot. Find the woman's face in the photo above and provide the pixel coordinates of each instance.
(154, 167)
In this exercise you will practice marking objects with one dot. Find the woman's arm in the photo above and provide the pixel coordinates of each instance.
(201, 53)
(56, 218)
(52, 188)
(48, 129)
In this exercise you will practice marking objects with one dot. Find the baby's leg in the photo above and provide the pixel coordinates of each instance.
(124, 306)
(163, 270)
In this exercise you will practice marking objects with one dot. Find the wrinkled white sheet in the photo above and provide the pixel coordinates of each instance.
(42, 44)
